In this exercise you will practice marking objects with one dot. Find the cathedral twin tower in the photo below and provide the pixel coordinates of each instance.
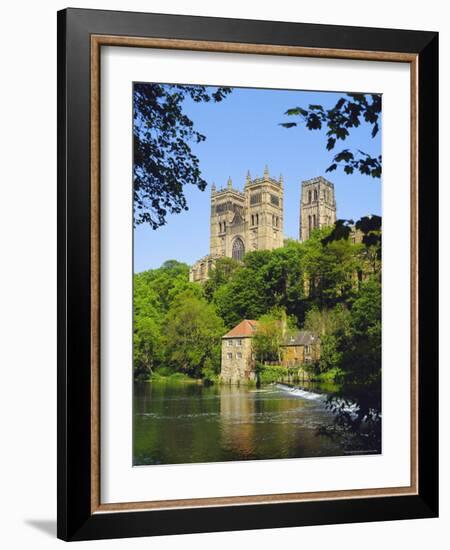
(252, 219)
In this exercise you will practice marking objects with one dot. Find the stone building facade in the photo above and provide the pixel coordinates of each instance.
(243, 221)
(238, 363)
(317, 206)
(300, 348)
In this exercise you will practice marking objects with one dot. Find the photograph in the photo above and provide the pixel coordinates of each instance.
(257, 273)
(247, 261)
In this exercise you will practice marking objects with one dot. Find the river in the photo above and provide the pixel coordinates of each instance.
(176, 422)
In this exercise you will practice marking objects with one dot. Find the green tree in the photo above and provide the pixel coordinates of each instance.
(193, 333)
(349, 112)
(283, 279)
(330, 268)
(147, 340)
(362, 355)
(267, 279)
(269, 336)
(163, 160)
(220, 275)
(154, 291)
(370, 226)
(333, 326)
(243, 297)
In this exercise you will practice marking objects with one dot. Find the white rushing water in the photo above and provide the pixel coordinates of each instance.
(298, 392)
(339, 403)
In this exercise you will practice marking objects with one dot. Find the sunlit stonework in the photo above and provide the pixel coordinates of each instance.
(252, 219)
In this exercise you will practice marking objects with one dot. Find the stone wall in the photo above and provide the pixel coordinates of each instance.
(317, 206)
(297, 355)
(254, 216)
(237, 361)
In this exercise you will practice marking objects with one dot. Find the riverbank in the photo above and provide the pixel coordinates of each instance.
(173, 377)
(265, 374)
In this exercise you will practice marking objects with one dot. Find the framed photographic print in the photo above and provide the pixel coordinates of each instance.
(247, 274)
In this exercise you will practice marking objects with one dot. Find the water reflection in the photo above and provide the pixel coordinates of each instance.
(183, 423)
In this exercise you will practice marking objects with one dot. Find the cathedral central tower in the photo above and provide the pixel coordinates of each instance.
(252, 219)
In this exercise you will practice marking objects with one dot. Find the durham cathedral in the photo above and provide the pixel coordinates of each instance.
(252, 219)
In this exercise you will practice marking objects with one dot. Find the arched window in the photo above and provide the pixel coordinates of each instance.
(238, 249)
(224, 226)
(314, 220)
(253, 219)
(309, 196)
(315, 194)
(220, 227)
(309, 224)
(257, 219)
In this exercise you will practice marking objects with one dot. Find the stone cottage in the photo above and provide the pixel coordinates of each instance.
(238, 360)
(238, 363)
(300, 348)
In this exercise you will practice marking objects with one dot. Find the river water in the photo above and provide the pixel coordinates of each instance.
(177, 422)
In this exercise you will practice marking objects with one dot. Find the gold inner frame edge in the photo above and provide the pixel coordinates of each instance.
(97, 41)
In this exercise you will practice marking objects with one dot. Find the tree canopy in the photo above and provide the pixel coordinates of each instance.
(163, 161)
(349, 112)
(327, 284)
(193, 336)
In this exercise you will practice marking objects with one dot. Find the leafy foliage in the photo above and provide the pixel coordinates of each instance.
(163, 160)
(348, 113)
(269, 335)
(333, 327)
(328, 284)
(362, 360)
(221, 274)
(193, 336)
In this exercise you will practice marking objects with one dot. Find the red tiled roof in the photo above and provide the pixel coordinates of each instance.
(244, 329)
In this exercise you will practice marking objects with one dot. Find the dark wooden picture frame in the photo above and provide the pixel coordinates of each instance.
(81, 34)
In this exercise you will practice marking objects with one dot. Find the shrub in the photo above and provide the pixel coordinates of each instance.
(267, 374)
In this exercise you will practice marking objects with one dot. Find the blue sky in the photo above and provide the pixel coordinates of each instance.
(243, 133)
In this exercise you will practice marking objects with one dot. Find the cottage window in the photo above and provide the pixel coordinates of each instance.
(230, 355)
(239, 355)
(229, 343)
(307, 349)
(239, 342)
